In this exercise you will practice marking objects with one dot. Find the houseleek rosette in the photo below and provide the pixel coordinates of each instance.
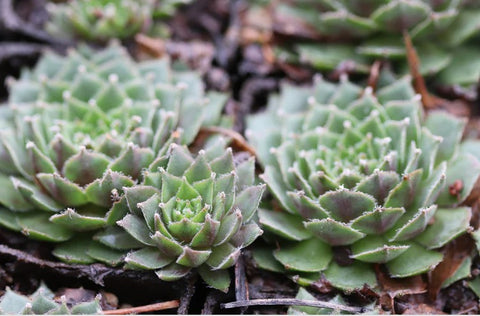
(43, 302)
(101, 20)
(79, 129)
(357, 32)
(192, 213)
(366, 174)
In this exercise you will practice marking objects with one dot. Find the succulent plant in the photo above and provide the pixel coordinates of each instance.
(445, 34)
(101, 20)
(42, 302)
(193, 213)
(80, 129)
(361, 174)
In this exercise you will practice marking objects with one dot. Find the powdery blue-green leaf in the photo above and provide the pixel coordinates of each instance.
(378, 221)
(345, 205)
(352, 277)
(85, 167)
(138, 194)
(136, 228)
(223, 256)
(8, 219)
(104, 254)
(64, 191)
(333, 232)
(309, 255)
(247, 201)
(414, 261)
(37, 226)
(375, 249)
(464, 169)
(74, 251)
(13, 303)
(77, 222)
(218, 279)
(447, 225)
(264, 259)
(172, 272)
(10, 197)
(286, 225)
(147, 258)
(117, 238)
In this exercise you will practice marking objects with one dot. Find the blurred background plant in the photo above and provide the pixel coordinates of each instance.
(350, 34)
(101, 20)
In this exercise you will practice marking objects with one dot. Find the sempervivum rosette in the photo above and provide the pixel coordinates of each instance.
(366, 174)
(44, 302)
(101, 20)
(193, 213)
(355, 33)
(81, 128)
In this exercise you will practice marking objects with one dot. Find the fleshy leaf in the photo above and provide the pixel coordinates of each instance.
(447, 224)
(310, 255)
(136, 227)
(375, 249)
(85, 167)
(37, 226)
(172, 272)
(286, 225)
(147, 258)
(345, 205)
(333, 232)
(218, 279)
(77, 222)
(74, 251)
(352, 277)
(415, 260)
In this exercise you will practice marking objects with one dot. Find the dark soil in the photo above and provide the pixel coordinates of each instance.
(207, 36)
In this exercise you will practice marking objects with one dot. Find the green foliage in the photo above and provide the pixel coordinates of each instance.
(82, 129)
(42, 302)
(196, 213)
(360, 31)
(101, 20)
(93, 156)
(362, 171)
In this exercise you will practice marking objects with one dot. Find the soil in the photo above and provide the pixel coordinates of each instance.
(207, 35)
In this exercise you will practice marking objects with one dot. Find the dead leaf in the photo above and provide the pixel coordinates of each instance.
(391, 288)
(422, 309)
(322, 285)
(419, 83)
(374, 74)
(295, 72)
(292, 26)
(257, 26)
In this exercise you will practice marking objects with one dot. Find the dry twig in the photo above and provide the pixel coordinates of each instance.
(428, 100)
(292, 302)
(144, 309)
(374, 74)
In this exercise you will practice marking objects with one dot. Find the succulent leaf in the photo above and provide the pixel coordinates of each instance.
(354, 34)
(365, 172)
(198, 217)
(84, 146)
(308, 256)
(42, 302)
(102, 20)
